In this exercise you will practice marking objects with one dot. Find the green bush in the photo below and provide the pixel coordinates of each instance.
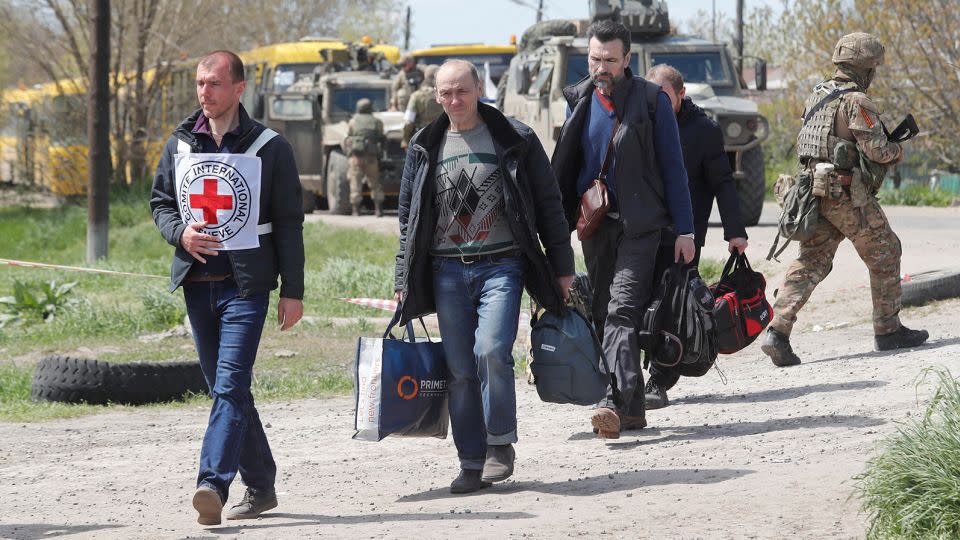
(916, 195)
(911, 489)
(33, 301)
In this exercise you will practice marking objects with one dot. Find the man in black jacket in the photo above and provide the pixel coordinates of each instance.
(477, 199)
(708, 170)
(199, 203)
(648, 188)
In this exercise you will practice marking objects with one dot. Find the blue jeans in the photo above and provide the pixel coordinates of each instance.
(478, 306)
(226, 329)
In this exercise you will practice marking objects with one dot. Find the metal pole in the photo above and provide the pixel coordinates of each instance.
(713, 30)
(98, 133)
(406, 32)
(540, 11)
(739, 38)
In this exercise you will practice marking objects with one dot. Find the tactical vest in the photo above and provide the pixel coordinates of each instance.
(430, 109)
(365, 134)
(817, 138)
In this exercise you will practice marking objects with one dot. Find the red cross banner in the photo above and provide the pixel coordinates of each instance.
(224, 191)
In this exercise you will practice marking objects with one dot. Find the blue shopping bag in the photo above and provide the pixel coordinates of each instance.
(401, 386)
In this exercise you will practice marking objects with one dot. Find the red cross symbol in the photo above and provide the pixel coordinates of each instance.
(210, 201)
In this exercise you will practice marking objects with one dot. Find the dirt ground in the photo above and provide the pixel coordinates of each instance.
(761, 452)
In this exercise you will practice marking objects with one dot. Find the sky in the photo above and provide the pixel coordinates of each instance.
(494, 21)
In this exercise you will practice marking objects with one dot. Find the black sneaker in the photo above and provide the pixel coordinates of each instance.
(776, 345)
(253, 504)
(654, 396)
(903, 338)
(468, 481)
(499, 464)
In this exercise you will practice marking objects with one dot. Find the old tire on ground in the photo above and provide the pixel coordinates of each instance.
(338, 187)
(753, 187)
(79, 380)
(929, 286)
(150, 382)
(70, 380)
(309, 201)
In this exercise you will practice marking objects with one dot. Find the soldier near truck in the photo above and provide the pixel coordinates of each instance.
(363, 145)
(842, 129)
(423, 106)
(405, 82)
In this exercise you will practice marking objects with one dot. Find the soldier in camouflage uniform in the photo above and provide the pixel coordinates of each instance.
(405, 83)
(364, 137)
(842, 126)
(423, 107)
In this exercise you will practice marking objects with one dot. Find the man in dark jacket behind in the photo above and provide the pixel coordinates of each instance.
(648, 192)
(477, 199)
(708, 170)
(199, 203)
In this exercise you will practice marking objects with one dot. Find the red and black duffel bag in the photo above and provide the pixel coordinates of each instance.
(741, 311)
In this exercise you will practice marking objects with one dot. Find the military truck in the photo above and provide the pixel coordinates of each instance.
(312, 113)
(553, 54)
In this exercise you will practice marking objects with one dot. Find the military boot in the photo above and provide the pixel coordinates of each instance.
(378, 209)
(903, 338)
(776, 345)
(356, 210)
(655, 396)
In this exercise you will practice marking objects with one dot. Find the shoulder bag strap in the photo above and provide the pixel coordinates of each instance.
(606, 156)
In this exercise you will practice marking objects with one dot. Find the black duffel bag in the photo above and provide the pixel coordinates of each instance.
(742, 310)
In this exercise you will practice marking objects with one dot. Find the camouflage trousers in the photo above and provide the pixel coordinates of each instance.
(876, 243)
(360, 166)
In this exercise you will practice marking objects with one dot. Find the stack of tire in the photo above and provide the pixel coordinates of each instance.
(79, 380)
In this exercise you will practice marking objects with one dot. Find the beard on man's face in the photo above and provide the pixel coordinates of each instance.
(605, 80)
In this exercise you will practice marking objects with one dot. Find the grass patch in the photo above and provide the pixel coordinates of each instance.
(912, 488)
(916, 195)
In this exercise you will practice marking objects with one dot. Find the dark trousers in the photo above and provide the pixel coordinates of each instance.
(621, 273)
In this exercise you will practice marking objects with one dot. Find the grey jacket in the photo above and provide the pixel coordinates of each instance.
(533, 207)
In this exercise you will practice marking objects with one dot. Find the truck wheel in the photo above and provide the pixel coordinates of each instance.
(70, 380)
(309, 201)
(338, 187)
(929, 286)
(753, 187)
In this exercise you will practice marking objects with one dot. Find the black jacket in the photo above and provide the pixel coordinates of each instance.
(708, 170)
(639, 188)
(533, 210)
(281, 252)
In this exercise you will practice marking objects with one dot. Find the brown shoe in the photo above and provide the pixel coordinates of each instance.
(632, 422)
(606, 423)
(207, 503)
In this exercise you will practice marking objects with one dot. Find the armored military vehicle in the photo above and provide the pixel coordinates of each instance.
(312, 112)
(553, 54)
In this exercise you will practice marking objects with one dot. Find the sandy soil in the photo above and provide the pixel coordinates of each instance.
(759, 453)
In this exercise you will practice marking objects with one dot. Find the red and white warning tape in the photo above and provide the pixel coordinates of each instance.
(386, 305)
(27, 264)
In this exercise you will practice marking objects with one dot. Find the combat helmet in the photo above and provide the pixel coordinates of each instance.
(430, 75)
(859, 50)
(364, 106)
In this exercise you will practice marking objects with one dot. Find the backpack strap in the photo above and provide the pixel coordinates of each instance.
(652, 91)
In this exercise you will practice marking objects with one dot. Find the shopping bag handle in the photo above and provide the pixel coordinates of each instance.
(407, 329)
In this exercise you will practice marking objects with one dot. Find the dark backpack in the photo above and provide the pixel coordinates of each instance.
(565, 358)
(678, 329)
(801, 210)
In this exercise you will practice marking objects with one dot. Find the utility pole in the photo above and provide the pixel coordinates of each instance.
(540, 11)
(406, 32)
(713, 21)
(98, 133)
(739, 38)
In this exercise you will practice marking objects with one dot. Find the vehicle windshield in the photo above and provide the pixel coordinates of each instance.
(696, 67)
(287, 74)
(498, 62)
(291, 109)
(345, 99)
(577, 67)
